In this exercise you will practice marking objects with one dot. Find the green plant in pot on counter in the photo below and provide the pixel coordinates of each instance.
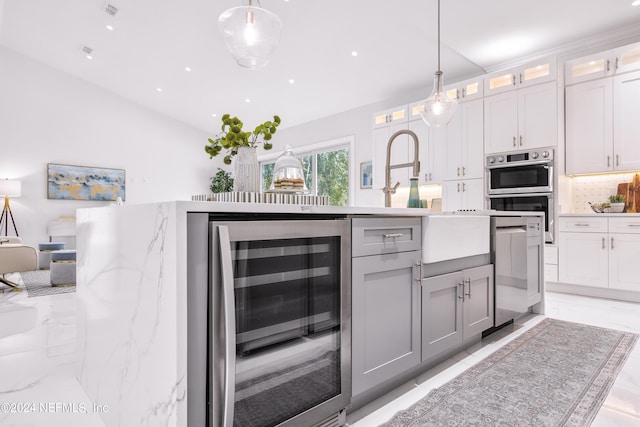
(617, 203)
(616, 198)
(221, 182)
(232, 137)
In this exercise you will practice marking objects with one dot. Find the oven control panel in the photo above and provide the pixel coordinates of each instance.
(520, 157)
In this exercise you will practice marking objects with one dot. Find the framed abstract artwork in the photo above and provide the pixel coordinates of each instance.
(366, 175)
(69, 182)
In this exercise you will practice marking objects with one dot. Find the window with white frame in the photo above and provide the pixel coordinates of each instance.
(326, 167)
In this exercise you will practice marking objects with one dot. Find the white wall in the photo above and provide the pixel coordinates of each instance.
(47, 116)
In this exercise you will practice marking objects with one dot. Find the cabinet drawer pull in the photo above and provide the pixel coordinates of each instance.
(461, 294)
(608, 161)
(612, 246)
(514, 141)
(603, 244)
(458, 170)
(468, 282)
(392, 235)
(521, 140)
(582, 224)
(617, 159)
(633, 225)
(464, 171)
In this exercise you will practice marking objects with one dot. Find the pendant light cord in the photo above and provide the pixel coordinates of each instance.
(438, 35)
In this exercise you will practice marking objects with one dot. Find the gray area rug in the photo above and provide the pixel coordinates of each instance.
(556, 374)
(38, 283)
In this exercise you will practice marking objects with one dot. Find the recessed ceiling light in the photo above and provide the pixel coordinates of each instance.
(292, 81)
(635, 3)
(187, 68)
(354, 53)
(247, 100)
(214, 115)
(158, 89)
(109, 27)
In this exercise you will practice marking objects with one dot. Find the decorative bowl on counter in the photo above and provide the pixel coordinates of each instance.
(603, 207)
(288, 175)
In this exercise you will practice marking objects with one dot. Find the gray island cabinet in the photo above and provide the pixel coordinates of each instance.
(456, 307)
(385, 299)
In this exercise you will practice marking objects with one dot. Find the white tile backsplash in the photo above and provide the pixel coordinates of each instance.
(595, 189)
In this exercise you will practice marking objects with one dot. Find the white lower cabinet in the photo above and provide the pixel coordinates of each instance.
(455, 307)
(386, 317)
(600, 252)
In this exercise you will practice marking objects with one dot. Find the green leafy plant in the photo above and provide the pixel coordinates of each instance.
(616, 198)
(221, 182)
(232, 137)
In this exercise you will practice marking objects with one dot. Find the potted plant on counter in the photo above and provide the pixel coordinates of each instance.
(617, 203)
(221, 182)
(240, 149)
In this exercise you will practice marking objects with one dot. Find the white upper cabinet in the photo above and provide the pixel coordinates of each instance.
(602, 125)
(589, 127)
(521, 119)
(530, 74)
(431, 154)
(462, 140)
(603, 64)
(467, 90)
(390, 116)
(626, 122)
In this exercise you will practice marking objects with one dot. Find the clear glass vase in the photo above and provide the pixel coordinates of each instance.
(246, 170)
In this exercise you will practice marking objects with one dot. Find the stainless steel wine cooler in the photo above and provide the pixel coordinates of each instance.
(279, 304)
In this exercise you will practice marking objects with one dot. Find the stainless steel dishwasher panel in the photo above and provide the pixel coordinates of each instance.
(509, 255)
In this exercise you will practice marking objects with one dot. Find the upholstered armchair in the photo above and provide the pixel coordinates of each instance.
(16, 257)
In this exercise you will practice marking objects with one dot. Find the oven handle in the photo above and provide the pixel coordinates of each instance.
(503, 195)
(229, 326)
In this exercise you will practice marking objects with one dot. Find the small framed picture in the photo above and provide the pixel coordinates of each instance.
(366, 175)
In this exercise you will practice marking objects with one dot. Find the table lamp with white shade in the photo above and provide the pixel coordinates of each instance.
(9, 188)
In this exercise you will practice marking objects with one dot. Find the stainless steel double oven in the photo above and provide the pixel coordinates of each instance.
(522, 181)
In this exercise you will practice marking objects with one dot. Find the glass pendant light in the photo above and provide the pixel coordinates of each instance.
(251, 33)
(438, 108)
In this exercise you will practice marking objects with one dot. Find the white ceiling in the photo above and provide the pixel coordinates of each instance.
(154, 40)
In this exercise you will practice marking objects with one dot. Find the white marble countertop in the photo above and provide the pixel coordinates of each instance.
(189, 206)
